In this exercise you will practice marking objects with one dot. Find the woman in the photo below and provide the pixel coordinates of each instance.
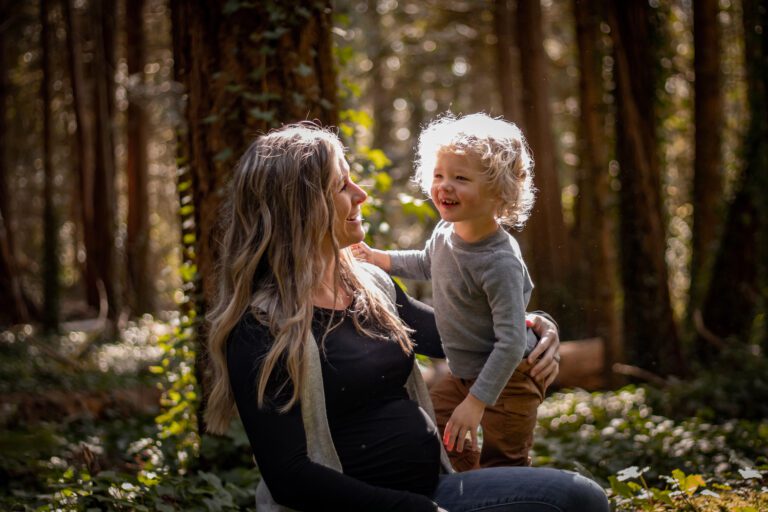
(316, 351)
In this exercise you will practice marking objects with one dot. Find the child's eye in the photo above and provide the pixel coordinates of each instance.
(461, 178)
(438, 176)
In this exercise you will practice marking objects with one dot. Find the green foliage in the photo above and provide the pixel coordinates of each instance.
(603, 433)
(736, 386)
(630, 491)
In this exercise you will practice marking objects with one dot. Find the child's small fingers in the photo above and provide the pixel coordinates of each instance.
(447, 437)
(461, 438)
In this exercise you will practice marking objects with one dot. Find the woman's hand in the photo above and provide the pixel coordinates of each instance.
(545, 357)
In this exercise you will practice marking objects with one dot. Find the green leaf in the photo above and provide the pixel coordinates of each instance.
(378, 158)
(620, 488)
(383, 181)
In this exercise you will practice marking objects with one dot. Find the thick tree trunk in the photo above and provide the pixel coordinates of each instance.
(13, 302)
(739, 281)
(245, 70)
(708, 173)
(139, 276)
(50, 228)
(595, 225)
(651, 339)
(548, 248)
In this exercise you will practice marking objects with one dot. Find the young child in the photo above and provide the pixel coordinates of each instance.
(478, 172)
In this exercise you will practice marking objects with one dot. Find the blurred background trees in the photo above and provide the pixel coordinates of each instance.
(121, 121)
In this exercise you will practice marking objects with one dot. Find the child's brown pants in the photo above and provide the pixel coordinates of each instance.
(507, 425)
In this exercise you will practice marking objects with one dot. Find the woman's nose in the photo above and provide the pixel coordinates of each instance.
(360, 195)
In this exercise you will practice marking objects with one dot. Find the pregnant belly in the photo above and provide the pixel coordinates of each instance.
(391, 444)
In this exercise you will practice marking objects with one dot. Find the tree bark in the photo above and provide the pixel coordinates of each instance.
(50, 227)
(739, 281)
(139, 275)
(82, 98)
(708, 173)
(104, 198)
(548, 248)
(245, 70)
(13, 302)
(507, 62)
(651, 338)
(595, 220)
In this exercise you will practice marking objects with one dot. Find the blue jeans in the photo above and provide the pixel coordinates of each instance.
(519, 489)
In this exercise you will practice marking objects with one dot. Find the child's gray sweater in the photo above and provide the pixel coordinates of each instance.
(480, 292)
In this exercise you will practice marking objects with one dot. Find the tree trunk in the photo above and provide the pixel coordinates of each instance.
(13, 301)
(139, 276)
(245, 70)
(381, 100)
(507, 62)
(739, 281)
(708, 172)
(50, 227)
(595, 225)
(548, 247)
(85, 154)
(104, 197)
(651, 339)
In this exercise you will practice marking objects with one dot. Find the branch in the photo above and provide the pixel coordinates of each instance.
(639, 373)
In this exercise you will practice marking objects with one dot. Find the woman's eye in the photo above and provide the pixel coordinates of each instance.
(344, 186)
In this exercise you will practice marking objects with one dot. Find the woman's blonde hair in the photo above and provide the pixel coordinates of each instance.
(279, 213)
(503, 153)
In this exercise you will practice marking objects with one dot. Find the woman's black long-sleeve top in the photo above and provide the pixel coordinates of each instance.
(387, 446)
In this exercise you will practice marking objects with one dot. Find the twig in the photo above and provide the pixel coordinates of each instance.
(639, 373)
(701, 329)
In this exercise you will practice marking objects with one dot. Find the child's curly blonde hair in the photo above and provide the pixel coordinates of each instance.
(502, 150)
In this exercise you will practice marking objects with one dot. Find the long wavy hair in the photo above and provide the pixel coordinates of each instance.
(279, 214)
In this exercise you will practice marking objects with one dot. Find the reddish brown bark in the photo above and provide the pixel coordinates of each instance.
(651, 339)
(595, 220)
(138, 272)
(507, 62)
(91, 86)
(548, 251)
(708, 173)
(50, 228)
(13, 302)
(101, 251)
(244, 71)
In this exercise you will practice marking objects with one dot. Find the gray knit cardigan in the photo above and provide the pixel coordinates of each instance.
(320, 447)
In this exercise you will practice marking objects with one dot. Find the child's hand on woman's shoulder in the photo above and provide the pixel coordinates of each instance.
(363, 252)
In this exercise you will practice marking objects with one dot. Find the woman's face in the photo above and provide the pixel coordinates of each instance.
(347, 200)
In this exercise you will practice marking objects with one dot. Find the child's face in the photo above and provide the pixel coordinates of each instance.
(460, 190)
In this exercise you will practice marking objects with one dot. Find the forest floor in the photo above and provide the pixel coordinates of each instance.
(100, 426)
